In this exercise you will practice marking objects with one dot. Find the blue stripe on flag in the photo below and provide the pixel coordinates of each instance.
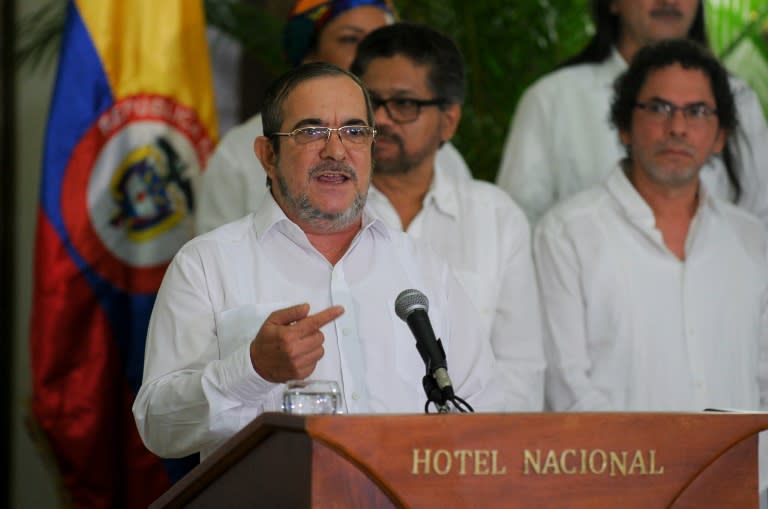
(81, 94)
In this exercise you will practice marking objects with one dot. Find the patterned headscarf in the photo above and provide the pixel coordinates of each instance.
(309, 17)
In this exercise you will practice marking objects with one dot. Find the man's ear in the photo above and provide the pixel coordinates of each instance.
(449, 122)
(262, 147)
(624, 137)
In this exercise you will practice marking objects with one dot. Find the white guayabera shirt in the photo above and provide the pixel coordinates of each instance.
(485, 238)
(199, 386)
(628, 326)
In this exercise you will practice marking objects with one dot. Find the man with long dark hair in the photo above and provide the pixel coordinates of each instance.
(561, 141)
(655, 291)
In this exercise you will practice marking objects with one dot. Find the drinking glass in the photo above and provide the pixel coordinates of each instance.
(308, 397)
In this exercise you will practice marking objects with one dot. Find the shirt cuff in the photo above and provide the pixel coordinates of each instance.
(240, 381)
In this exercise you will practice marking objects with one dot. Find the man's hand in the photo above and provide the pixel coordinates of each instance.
(289, 344)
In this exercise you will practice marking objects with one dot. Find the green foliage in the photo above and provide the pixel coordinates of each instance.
(738, 32)
(506, 46)
(256, 28)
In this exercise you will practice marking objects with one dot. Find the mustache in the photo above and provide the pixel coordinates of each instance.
(385, 132)
(665, 11)
(333, 167)
(678, 146)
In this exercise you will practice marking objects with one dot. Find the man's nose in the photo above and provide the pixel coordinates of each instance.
(334, 148)
(678, 122)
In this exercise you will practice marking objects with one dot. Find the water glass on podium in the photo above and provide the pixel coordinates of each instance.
(312, 397)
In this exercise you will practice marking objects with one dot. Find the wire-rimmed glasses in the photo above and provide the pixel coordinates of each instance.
(697, 113)
(353, 135)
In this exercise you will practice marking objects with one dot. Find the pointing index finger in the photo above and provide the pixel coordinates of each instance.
(313, 323)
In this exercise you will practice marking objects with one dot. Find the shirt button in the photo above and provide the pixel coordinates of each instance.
(355, 396)
(346, 331)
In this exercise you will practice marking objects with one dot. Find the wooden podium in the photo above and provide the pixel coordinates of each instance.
(537, 460)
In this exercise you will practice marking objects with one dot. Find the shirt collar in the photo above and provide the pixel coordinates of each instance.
(635, 206)
(611, 67)
(442, 193)
(268, 214)
(616, 62)
(370, 220)
(604, 73)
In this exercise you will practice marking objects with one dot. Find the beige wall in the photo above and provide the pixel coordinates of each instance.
(32, 482)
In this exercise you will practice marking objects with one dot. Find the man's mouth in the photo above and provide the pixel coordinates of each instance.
(676, 152)
(332, 178)
(666, 12)
(332, 173)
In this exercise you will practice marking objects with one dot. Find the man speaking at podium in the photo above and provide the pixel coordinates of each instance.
(303, 287)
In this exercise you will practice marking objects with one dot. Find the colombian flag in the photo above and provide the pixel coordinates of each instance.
(132, 122)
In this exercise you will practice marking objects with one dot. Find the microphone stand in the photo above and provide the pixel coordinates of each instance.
(434, 395)
(442, 398)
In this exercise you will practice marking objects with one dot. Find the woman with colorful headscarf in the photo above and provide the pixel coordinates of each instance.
(233, 184)
(330, 31)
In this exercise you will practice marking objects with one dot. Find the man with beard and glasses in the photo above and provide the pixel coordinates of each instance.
(415, 76)
(655, 291)
(232, 184)
(561, 141)
(303, 287)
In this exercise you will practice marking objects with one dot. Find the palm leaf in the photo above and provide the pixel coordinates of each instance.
(738, 31)
(39, 35)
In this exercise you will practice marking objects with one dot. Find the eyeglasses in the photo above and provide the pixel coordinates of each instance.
(662, 111)
(403, 109)
(357, 135)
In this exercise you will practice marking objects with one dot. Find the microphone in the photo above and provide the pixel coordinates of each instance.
(412, 306)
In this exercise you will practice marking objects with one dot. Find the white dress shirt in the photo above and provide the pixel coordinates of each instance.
(561, 141)
(630, 327)
(234, 183)
(485, 238)
(199, 385)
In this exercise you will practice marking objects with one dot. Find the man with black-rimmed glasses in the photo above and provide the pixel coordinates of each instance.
(415, 76)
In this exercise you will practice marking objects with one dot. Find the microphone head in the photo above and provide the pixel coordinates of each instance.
(409, 301)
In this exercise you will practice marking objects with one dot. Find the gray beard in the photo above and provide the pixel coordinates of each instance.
(318, 219)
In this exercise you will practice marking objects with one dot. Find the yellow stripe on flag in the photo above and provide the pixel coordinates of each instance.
(158, 47)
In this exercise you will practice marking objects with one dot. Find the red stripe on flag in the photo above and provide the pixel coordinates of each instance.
(81, 400)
